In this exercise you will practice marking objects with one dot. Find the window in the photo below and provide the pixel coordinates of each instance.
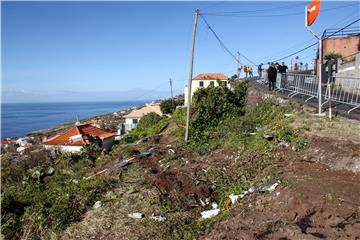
(135, 121)
(201, 84)
(212, 83)
(225, 83)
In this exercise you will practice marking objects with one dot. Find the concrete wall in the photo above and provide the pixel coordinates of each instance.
(196, 85)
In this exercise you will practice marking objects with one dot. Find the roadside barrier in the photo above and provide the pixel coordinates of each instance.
(303, 84)
(344, 90)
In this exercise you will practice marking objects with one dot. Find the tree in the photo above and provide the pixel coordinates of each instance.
(332, 56)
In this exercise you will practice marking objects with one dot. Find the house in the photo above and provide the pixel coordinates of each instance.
(79, 136)
(8, 146)
(133, 118)
(204, 80)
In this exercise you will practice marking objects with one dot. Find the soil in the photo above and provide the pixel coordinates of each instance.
(318, 198)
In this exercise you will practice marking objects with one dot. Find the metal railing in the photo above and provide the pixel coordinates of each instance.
(345, 90)
(303, 84)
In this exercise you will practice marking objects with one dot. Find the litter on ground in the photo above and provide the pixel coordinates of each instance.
(136, 215)
(158, 217)
(266, 187)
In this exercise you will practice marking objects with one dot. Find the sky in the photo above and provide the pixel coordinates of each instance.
(98, 51)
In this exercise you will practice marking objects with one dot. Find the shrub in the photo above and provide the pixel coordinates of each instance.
(167, 106)
(213, 105)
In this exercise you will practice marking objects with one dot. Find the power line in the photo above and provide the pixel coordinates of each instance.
(222, 43)
(266, 9)
(292, 54)
(219, 40)
(225, 14)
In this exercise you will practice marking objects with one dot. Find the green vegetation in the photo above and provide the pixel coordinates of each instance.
(149, 124)
(43, 197)
(49, 196)
(169, 105)
(332, 55)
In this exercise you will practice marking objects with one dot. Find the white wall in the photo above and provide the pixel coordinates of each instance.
(64, 148)
(196, 84)
(130, 120)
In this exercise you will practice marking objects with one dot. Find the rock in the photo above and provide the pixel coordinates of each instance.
(97, 205)
(136, 215)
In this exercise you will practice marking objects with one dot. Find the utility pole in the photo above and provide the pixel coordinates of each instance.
(172, 97)
(238, 65)
(191, 76)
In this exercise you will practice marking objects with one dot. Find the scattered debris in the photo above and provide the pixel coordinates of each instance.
(98, 173)
(97, 205)
(283, 144)
(51, 171)
(123, 163)
(136, 215)
(210, 213)
(288, 114)
(145, 154)
(158, 217)
(171, 151)
(266, 187)
(268, 137)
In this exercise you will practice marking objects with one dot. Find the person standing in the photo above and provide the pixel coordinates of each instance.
(260, 70)
(284, 68)
(246, 71)
(250, 71)
(272, 73)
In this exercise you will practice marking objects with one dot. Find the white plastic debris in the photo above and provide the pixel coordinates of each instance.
(210, 213)
(158, 217)
(97, 205)
(137, 215)
(283, 144)
(171, 151)
(288, 114)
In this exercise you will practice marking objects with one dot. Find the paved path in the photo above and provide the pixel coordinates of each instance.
(340, 109)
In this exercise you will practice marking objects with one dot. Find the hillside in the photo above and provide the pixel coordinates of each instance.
(316, 160)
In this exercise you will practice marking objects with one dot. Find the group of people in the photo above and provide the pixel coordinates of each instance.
(248, 71)
(272, 71)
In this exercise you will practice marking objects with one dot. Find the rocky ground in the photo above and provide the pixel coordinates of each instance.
(319, 197)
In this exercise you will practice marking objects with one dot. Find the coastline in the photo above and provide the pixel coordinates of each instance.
(111, 119)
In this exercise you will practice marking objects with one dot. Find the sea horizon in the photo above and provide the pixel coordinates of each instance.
(19, 119)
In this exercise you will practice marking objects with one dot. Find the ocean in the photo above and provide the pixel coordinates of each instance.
(18, 119)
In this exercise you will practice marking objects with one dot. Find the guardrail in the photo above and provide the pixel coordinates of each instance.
(345, 90)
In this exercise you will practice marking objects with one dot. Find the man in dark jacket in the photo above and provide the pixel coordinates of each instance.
(272, 72)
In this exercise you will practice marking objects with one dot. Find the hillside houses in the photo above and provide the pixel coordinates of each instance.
(133, 118)
(204, 80)
(79, 136)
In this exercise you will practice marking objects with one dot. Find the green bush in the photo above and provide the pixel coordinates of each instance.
(212, 106)
(48, 201)
(149, 125)
(167, 106)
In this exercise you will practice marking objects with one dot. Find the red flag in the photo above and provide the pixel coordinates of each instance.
(312, 12)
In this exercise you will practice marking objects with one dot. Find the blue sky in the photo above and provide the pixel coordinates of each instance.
(60, 48)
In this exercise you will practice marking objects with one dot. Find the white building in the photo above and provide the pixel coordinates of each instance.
(133, 118)
(204, 80)
(79, 136)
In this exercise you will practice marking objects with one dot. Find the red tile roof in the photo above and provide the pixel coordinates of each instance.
(7, 142)
(211, 76)
(83, 130)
